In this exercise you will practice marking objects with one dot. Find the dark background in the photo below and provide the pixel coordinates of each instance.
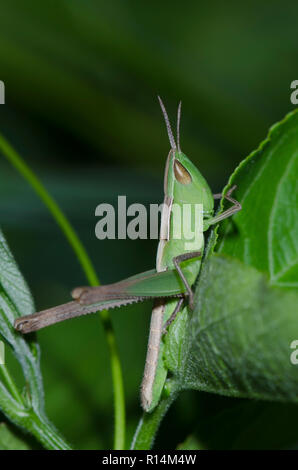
(81, 83)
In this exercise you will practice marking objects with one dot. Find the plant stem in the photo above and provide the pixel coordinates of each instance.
(149, 424)
(30, 419)
(119, 403)
(46, 434)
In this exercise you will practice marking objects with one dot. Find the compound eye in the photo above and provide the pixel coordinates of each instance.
(181, 173)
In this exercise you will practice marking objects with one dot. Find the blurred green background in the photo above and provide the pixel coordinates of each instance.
(81, 82)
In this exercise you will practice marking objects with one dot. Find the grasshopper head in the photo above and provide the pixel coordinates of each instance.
(188, 184)
(183, 181)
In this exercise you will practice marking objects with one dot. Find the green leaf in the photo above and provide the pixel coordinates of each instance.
(25, 410)
(16, 300)
(237, 341)
(265, 233)
(9, 440)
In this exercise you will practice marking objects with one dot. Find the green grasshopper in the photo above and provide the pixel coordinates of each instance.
(178, 264)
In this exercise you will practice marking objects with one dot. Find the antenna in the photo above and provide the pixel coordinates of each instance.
(178, 126)
(169, 129)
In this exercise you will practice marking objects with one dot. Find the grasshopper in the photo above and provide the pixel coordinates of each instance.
(178, 264)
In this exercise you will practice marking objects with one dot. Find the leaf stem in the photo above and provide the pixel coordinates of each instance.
(149, 424)
(119, 403)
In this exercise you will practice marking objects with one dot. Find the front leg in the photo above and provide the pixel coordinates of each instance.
(232, 210)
